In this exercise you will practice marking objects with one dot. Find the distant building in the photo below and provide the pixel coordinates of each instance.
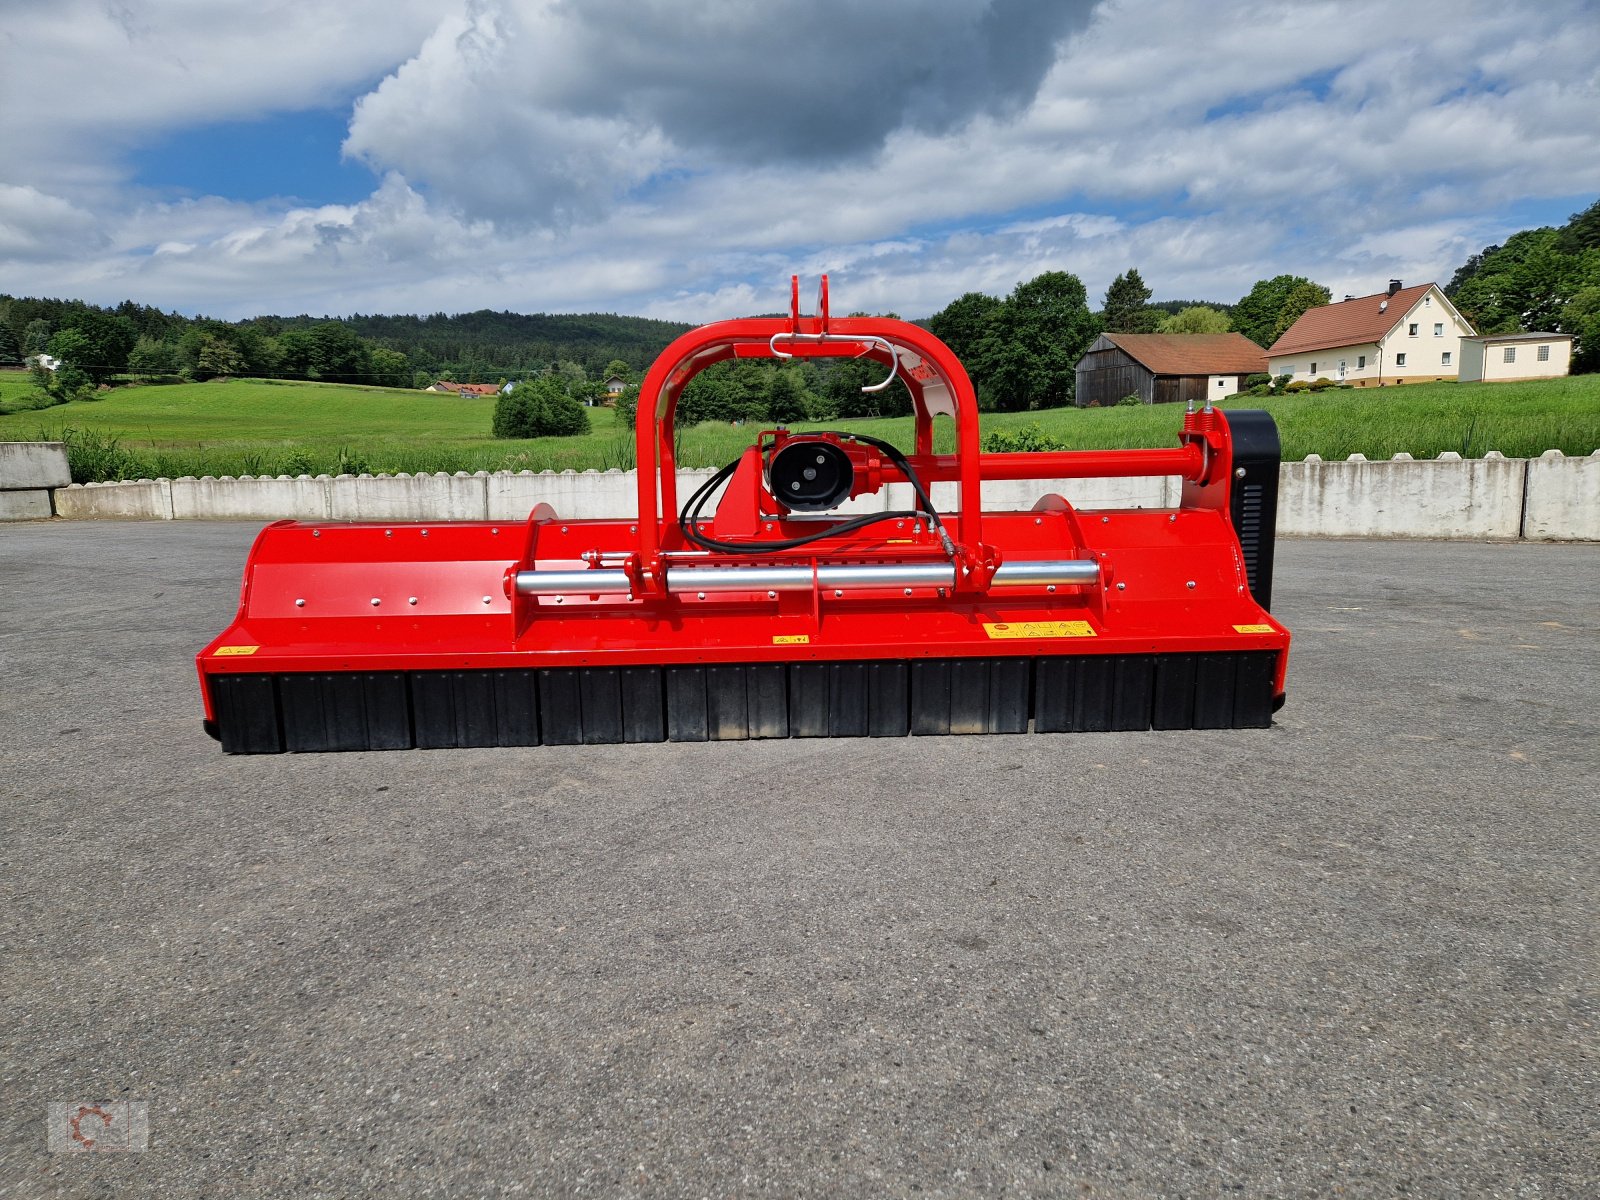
(1403, 335)
(45, 361)
(470, 391)
(1501, 357)
(1165, 368)
(616, 385)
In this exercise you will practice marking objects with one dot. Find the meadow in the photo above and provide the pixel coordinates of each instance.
(276, 427)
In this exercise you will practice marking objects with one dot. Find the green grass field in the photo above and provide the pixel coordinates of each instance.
(262, 427)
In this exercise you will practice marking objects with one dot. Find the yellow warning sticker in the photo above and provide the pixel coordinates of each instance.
(1254, 629)
(1039, 629)
(791, 639)
(221, 650)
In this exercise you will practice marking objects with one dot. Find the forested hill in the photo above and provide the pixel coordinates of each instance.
(512, 342)
(474, 346)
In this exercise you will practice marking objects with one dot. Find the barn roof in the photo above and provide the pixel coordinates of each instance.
(1192, 353)
(1352, 322)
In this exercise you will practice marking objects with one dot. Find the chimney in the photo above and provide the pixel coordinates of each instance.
(1348, 296)
(1394, 286)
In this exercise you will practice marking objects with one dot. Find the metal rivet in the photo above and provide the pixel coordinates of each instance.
(424, 533)
(772, 595)
(1238, 472)
(299, 603)
(487, 600)
(837, 593)
(388, 533)
(1172, 516)
(700, 595)
(412, 600)
(1105, 520)
(376, 602)
(1038, 520)
(1122, 587)
(769, 526)
(1190, 585)
(316, 533)
(908, 591)
(1051, 588)
(495, 531)
(563, 529)
(633, 529)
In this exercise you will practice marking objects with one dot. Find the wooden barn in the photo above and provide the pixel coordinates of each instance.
(1166, 368)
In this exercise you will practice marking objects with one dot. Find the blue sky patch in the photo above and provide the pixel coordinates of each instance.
(1314, 86)
(286, 155)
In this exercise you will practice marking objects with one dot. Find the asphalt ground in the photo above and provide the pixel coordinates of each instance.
(1354, 954)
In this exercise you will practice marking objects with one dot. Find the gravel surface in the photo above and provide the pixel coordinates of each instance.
(1353, 954)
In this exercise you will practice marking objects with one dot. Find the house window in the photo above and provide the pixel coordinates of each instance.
(1400, 359)
(1361, 362)
(1341, 368)
(1313, 368)
(1411, 329)
(1544, 353)
(1510, 354)
(1438, 329)
(1444, 359)
(1427, 302)
(1222, 383)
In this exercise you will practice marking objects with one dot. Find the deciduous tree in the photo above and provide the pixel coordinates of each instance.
(1197, 318)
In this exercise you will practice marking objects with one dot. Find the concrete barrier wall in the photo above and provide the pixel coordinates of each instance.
(29, 473)
(1547, 498)
(1446, 497)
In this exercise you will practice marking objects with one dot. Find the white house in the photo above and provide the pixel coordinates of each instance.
(45, 361)
(1499, 357)
(1403, 335)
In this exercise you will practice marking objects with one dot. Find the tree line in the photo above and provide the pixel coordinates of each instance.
(98, 343)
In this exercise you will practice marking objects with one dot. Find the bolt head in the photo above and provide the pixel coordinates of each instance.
(376, 602)
(411, 600)
(1190, 585)
(1122, 587)
(300, 603)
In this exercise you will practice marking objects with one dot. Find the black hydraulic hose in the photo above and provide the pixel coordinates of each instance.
(691, 511)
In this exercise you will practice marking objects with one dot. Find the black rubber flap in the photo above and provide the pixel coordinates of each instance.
(258, 714)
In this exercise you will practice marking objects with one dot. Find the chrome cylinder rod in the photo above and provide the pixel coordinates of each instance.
(842, 577)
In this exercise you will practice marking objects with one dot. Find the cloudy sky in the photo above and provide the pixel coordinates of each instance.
(681, 158)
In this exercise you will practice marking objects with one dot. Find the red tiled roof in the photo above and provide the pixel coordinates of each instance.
(467, 389)
(1348, 323)
(1192, 353)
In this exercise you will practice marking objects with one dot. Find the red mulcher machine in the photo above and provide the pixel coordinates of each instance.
(761, 612)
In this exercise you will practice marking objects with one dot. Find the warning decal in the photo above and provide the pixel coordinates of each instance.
(221, 650)
(791, 639)
(1254, 629)
(1039, 629)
